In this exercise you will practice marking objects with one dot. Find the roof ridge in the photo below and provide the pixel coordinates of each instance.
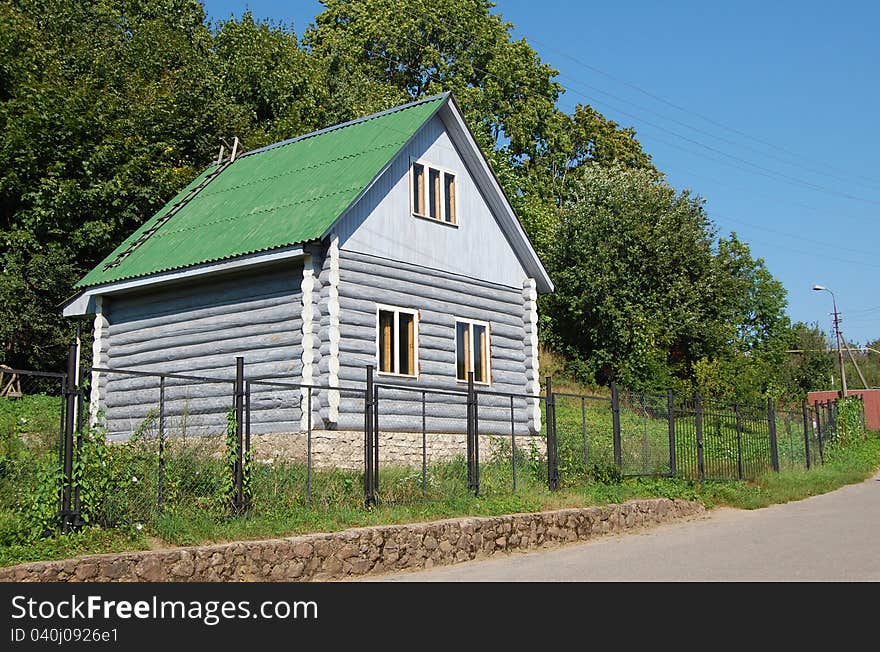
(350, 123)
(312, 166)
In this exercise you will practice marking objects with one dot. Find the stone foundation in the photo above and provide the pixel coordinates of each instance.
(344, 449)
(361, 551)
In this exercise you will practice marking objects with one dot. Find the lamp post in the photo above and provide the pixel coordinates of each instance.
(820, 288)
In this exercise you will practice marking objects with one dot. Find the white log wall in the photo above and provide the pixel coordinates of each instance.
(199, 329)
(440, 298)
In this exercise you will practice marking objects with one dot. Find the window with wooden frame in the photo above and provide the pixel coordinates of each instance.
(397, 337)
(433, 193)
(472, 350)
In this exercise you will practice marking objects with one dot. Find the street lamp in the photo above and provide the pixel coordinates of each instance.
(820, 288)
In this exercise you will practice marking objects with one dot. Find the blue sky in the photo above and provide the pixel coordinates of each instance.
(768, 110)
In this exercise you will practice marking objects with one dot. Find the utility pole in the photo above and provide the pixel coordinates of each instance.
(855, 364)
(836, 315)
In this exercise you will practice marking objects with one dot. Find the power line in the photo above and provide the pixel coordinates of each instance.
(779, 175)
(864, 252)
(773, 198)
(814, 256)
(861, 310)
(823, 172)
(758, 168)
(678, 107)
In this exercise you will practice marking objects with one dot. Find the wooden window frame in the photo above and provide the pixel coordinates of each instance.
(425, 192)
(395, 354)
(488, 327)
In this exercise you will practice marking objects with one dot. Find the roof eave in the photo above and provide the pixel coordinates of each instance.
(509, 221)
(84, 304)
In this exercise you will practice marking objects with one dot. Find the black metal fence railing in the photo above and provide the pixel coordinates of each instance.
(436, 442)
(645, 445)
(162, 446)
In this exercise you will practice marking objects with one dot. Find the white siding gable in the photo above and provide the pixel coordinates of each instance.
(382, 224)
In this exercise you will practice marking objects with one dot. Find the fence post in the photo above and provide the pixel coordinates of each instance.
(739, 448)
(771, 422)
(62, 439)
(615, 421)
(77, 425)
(369, 496)
(472, 476)
(862, 415)
(69, 427)
(476, 443)
(247, 445)
(670, 417)
(698, 424)
(584, 434)
(309, 447)
(78, 402)
(160, 494)
(376, 408)
(424, 446)
(239, 426)
(805, 412)
(512, 444)
(832, 411)
(819, 410)
(552, 444)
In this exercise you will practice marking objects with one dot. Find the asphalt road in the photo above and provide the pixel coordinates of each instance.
(833, 537)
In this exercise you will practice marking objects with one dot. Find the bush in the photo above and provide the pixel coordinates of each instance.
(849, 420)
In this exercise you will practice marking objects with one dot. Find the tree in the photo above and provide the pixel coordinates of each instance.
(647, 295)
(107, 109)
(266, 75)
(378, 52)
(809, 365)
(633, 265)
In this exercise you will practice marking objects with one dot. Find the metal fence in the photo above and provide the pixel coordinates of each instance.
(192, 446)
(465, 440)
(654, 435)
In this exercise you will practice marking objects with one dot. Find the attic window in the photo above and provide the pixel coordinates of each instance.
(433, 193)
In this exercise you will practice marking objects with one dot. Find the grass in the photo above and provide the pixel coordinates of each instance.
(844, 465)
(196, 510)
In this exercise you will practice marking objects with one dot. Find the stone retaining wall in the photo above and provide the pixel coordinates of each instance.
(361, 551)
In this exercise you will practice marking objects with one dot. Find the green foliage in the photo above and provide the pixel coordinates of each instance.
(29, 471)
(388, 50)
(269, 79)
(231, 459)
(32, 419)
(107, 109)
(647, 297)
(632, 264)
(849, 420)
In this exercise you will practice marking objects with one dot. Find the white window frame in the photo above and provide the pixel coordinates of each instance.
(412, 196)
(472, 322)
(395, 354)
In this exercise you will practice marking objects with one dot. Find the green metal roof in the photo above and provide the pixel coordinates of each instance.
(281, 195)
